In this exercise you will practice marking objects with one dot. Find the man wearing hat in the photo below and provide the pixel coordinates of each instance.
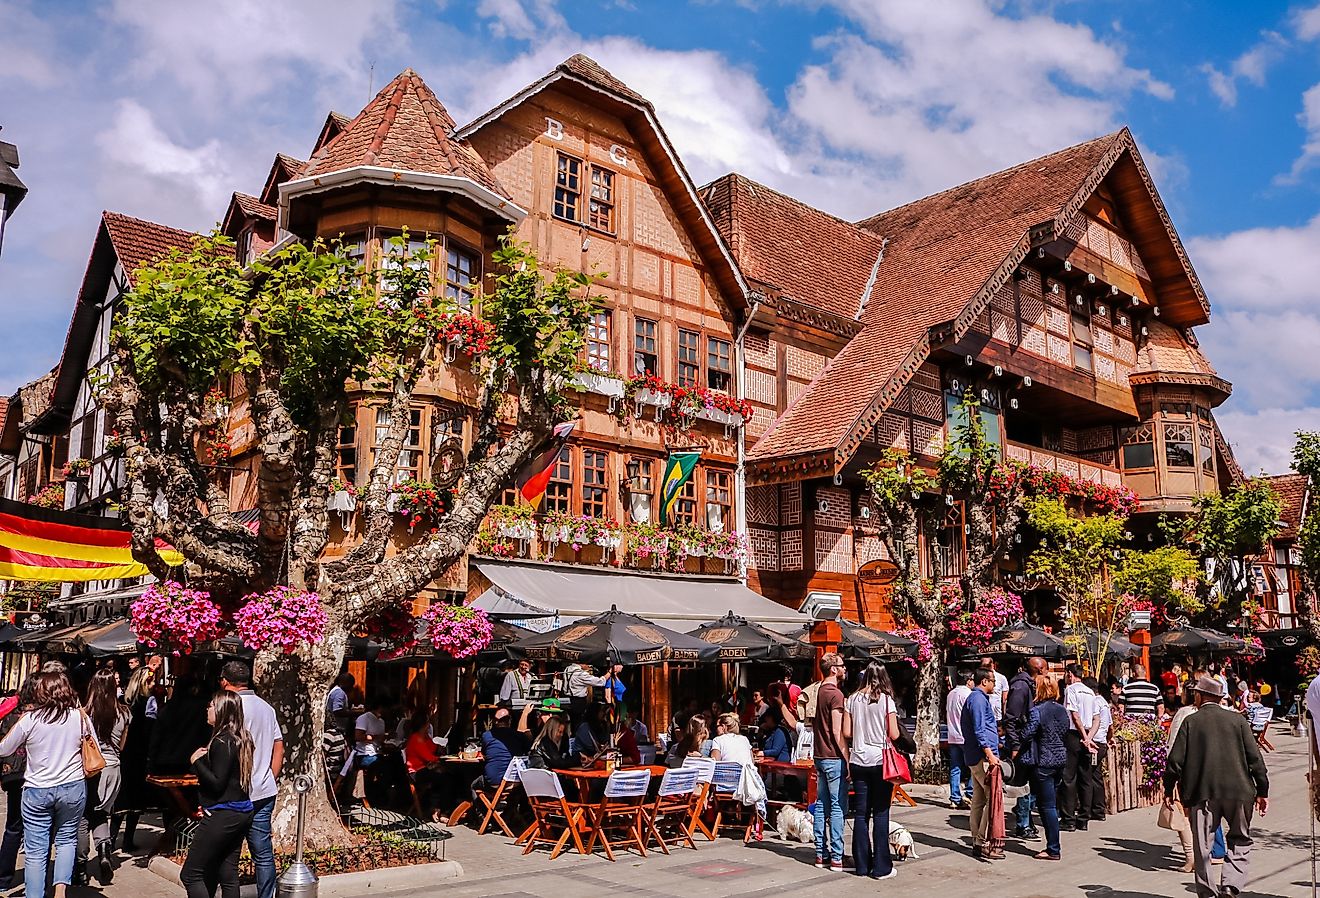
(1221, 777)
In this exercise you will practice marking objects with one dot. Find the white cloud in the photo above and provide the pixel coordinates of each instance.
(1262, 268)
(1251, 66)
(522, 20)
(1308, 118)
(1262, 440)
(1307, 23)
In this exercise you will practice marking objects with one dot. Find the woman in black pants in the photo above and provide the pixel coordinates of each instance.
(224, 776)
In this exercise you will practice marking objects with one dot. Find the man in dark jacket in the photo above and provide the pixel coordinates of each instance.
(1017, 712)
(1221, 776)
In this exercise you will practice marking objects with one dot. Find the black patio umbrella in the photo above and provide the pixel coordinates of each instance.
(114, 638)
(1197, 640)
(739, 639)
(1024, 639)
(1118, 646)
(861, 643)
(613, 637)
(9, 631)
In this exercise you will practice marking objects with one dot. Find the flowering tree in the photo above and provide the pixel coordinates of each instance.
(301, 327)
(1306, 460)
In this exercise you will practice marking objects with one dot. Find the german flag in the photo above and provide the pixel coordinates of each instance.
(535, 475)
(58, 546)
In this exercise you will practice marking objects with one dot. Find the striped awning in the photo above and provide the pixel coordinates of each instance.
(52, 546)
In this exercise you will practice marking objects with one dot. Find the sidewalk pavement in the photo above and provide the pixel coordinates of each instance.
(1126, 856)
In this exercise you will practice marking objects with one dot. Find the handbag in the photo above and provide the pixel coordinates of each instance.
(895, 767)
(93, 761)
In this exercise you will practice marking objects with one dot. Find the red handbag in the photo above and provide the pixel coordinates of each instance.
(895, 767)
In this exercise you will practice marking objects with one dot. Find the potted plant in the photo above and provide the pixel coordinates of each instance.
(647, 540)
(281, 618)
(77, 469)
(463, 333)
(650, 390)
(170, 615)
(457, 630)
(514, 521)
(421, 500)
(343, 495)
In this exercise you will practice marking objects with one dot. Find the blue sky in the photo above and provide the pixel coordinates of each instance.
(160, 109)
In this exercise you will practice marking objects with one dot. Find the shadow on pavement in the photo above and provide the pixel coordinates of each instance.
(1140, 855)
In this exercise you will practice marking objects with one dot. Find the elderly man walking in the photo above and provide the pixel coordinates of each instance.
(1221, 776)
(981, 748)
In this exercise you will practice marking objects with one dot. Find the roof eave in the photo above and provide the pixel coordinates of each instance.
(391, 177)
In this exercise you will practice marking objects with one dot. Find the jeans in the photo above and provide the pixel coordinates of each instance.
(960, 778)
(829, 809)
(13, 833)
(213, 856)
(1045, 787)
(50, 811)
(871, 797)
(1022, 811)
(261, 847)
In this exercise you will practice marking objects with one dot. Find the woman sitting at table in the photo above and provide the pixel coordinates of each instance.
(626, 743)
(777, 744)
(590, 735)
(690, 745)
(730, 745)
(547, 751)
(423, 760)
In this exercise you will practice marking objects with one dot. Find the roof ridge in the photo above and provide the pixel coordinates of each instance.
(1113, 135)
(739, 176)
(125, 217)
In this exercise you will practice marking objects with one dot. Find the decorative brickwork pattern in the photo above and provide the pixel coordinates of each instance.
(927, 377)
(1004, 327)
(927, 439)
(868, 548)
(892, 432)
(837, 505)
(761, 387)
(790, 498)
(1060, 350)
(1106, 370)
(1095, 438)
(834, 552)
(1033, 341)
(764, 546)
(763, 505)
(761, 350)
(790, 550)
(803, 364)
(1056, 321)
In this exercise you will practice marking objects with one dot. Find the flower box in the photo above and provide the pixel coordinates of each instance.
(608, 540)
(602, 384)
(719, 416)
(341, 500)
(554, 534)
(694, 549)
(657, 398)
(521, 530)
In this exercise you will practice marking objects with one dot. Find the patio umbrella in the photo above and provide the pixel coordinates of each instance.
(1196, 640)
(862, 643)
(739, 639)
(1118, 647)
(613, 637)
(114, 638)
(9, 631)
(1025, 639)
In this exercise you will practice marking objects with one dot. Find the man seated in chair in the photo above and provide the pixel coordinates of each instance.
(499, 746)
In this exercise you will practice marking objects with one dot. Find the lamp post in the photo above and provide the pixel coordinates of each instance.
(298, 881)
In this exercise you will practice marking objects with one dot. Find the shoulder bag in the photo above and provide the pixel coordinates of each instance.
(93, 761)
(894, 764)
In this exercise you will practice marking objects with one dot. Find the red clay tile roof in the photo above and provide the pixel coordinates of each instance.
(942, 251)
(405, 128)
(137, 242)
(255, 208)
(1291, 489)
(4, 411)
(786, 245)
(589, 70)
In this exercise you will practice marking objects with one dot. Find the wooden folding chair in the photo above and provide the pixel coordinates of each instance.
(622, 810)
(673, 808)
(509, 782)
(553, 813)
(705, 768)
(724, 783)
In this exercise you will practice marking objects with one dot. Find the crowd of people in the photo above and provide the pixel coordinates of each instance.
(229, 739)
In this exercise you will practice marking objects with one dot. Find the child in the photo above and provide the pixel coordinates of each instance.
(1260, 717)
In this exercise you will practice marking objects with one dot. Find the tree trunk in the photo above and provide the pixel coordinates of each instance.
(930, 694)
(296, 686)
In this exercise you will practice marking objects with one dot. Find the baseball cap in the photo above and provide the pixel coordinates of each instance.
(551, 706)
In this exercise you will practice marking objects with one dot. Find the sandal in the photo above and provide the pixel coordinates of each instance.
(1045, 856)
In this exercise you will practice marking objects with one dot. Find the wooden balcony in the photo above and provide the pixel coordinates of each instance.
(1071, 465)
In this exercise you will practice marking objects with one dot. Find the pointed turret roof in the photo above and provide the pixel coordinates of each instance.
(404, 128)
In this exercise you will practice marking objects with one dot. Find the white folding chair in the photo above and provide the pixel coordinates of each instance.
(705, 768)
(622, 810)
(509, 782)
(552, 811)
(673, 806)
(723, 784)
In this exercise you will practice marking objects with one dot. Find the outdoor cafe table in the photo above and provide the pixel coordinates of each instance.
(187, 809)
(455, 762)
(585, 776)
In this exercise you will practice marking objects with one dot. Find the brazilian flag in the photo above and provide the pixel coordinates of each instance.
(678, 469)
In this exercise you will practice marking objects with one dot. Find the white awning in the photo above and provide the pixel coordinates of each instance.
(683, 602)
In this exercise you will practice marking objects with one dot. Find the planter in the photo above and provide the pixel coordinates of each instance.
(731, 420)
(520, 530)
(1123, 776)
(342, 885)
(608, 541)
(601, 384)
(555, 535)
(694, 550)
(647, 396)
(342, 500)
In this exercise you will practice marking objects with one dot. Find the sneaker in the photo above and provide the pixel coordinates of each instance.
(820, 863)
(836, 866)
(890, 875)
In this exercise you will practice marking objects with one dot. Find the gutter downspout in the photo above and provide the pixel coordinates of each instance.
(740, 506)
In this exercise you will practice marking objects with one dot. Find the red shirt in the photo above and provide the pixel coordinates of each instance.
(626, 743)
(419, 751)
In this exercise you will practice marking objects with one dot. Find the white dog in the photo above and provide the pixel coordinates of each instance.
(794, 825)
(900, 842)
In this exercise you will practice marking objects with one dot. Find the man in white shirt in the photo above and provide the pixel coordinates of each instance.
(267, 759)
(1000, 695)
(960, 775)
(1313, 707)
(1075, 796)
(368, 734)
(1100, 739)
(517, 687)
(578, 681)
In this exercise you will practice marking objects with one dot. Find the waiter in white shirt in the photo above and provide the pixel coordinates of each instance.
(1075, 797)
(517, 687)
(578, 681)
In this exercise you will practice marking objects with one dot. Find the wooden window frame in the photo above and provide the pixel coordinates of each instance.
(719, 363)
(600, 209)
(688, 358)
(1083, 342)
(347, 443)
(712, 495)
(1125, 439)
(567, 197)
(600, 335)
(384, 235)
(560, 491)
(638, 341)
(462, 293)
(417, 471)
(593, 491)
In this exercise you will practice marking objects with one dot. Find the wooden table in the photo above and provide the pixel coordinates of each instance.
(460, 810)
(185, 808)
(585, 776)
(788, 768)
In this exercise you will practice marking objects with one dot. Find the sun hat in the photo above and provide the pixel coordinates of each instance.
(1210, 686)
(551, 706)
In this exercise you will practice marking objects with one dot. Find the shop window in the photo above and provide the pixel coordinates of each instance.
(598, 341)
(462, 275)
(410, 455)
(719, 500)
(645, 347)
(689, 358)
(719, 364)
(1138, 447)
(568, 188)
(602, 199)
(595, 483)
(559, 492)
(1178, 450)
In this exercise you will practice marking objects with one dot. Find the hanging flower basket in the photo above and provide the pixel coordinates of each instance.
(463, 333)
(457, 630)
(171, 616)
(281, 618)
(395, 628)
(421, 500)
